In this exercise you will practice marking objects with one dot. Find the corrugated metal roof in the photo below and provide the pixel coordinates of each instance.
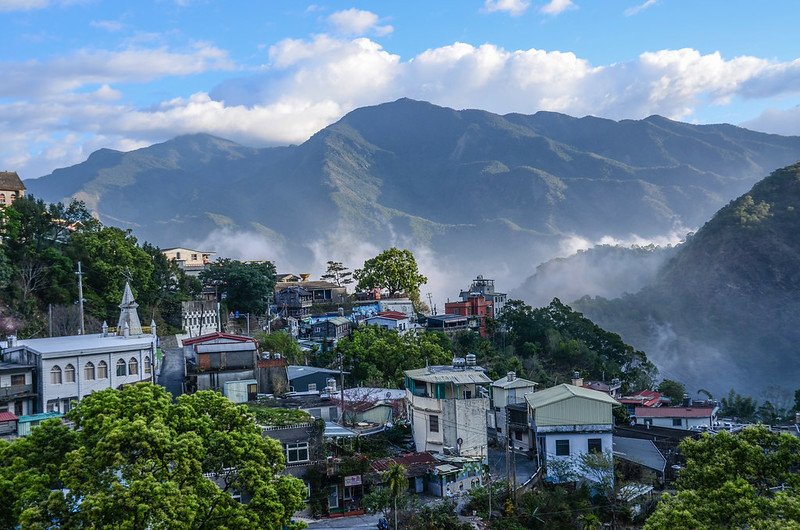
(55, 345)
(447, 374)
(516, 383)
(334, 430)
(300, 371)
(565, 391)
(643, 452)
(8, 416)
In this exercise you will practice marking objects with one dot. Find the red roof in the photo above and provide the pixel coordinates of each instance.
(215, 336)
(392, 315)
(646, 398)
(7, 416)
(674, 412)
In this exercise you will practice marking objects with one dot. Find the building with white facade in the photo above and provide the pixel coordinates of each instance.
(569, 421)
(689, 418)
(200, 318)
(481, 286)
(67, 369)
(448, 407)
(394, 320)
(510, 410)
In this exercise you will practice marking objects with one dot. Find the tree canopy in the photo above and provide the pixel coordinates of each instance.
(394, 270)
(674, 390)
(744, 480)
(137, 460)
(246, 287)
(338, 274)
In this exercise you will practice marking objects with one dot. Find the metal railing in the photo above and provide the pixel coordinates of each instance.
(15, 390)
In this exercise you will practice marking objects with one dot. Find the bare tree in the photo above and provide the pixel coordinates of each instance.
(32, 278)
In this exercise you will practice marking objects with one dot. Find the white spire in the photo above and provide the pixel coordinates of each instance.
(128, 317)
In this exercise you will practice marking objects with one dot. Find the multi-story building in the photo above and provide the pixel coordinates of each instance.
(476, 308)
(293, 301)
(447, 323)
(11, 187)
(67, 369)
(191, 261)
(509, 417)
(218, 358)
(393, 320)
(448, 407)
(569, 421)
(322, 292)
(485, 287)
(17, 388)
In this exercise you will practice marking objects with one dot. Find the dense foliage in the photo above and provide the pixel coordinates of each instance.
(245, 286)
(277, 417)
(554, 341)
(42, 244)
(744, 480)
(393, 270)
(137, 460)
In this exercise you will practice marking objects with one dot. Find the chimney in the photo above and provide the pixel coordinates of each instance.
(12, 341)
(340, 311)
(577, 380)
(105, 328)
(511, 376)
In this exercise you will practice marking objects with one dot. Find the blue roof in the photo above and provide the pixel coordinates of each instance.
(39, 417)
(296, 371)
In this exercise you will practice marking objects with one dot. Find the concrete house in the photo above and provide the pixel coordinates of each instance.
(485, 287)
(447, 323)
(330, 329)
(311, 378)
(448, 407)
(17, 388)
(394, 320)
(191, 261)
(569, 421)
(11, 187)
(294, 301)
(509, 417)
(476, 308)
(690, 418)
(70, 368)
(322, 292)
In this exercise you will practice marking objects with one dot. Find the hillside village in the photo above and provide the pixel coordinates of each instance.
(485, 408)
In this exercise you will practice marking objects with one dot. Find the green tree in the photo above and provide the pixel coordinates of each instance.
(137, 460)
(171, 286)
(283, 343)
(674, 390)
(338, 274)
(397, 482)
(394, 270)
(376, 356)
(744, 480)
(246, 287)
(737, 406)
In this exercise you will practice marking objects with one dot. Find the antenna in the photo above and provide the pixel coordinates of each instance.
(79, 274)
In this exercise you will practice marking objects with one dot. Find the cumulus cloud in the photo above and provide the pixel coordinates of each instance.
(358, 22)
(107, 25)
(556, 7)
(307, 84)
(22, 5)
(639, 7)
(512, 7)
(778, 121)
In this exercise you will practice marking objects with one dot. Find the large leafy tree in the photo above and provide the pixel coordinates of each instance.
(744, 480)
(137, 460)
(376, 356)
(245, 286)
(338, 274)
(394, 270)
(674, 390)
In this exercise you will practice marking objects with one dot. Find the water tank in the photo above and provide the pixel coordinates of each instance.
(330, 384)
(471, 359)
(511, 376)
(459, 362)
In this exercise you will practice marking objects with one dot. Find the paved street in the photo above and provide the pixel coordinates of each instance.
(359, 521)
(171, 376)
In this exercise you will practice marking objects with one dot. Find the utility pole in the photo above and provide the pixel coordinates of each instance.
(80, 297)
(508, 452)
(50, 319)
(341, 383)
(248, 324)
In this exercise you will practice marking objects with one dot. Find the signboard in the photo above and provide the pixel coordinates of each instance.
(352, 480)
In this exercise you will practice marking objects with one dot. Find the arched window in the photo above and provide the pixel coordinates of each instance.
(121, 368)
(13, 197)
(2, 198)
(88, 371)
(133, 366)
(148, 368)
(69, 374)
(55, 375)
(102, 370)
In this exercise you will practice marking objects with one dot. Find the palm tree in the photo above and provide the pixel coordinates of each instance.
(395, 477)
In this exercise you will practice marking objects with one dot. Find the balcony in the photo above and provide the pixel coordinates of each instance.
(15, 390)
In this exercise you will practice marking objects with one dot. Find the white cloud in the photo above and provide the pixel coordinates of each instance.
(107, 25)
(512, 7)
(778, 121)
(308, 84)
(556, 7)
(639, 7)
(22, 5)
(354, 22)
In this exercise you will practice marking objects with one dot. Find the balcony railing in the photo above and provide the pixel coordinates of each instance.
(15, 390)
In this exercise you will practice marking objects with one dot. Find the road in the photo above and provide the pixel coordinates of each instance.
(172, 368)
(358, 521)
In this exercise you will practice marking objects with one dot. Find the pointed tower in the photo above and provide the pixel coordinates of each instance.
(128, 317)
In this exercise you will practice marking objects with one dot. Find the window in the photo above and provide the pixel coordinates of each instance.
(296, 452)
(2, 198)
(55, 375)
(17, 380)
(121, 368)
(434, 423)
(312, 387)
(467, 394)
(308, 491)
(518, 435)
(595, 445)
(133, 367)
(102, 370)
(69, 374)
(333, 497)
(177, 255)
(88, 371)
(13, 197)
(677, 422)
(52, 405)
(194, 257)
(562, 447)
(148, 367)
(348, 493)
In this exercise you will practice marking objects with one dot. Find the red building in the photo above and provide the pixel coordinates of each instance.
(476, 307)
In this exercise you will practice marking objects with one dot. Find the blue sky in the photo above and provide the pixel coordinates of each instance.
(84, 74)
